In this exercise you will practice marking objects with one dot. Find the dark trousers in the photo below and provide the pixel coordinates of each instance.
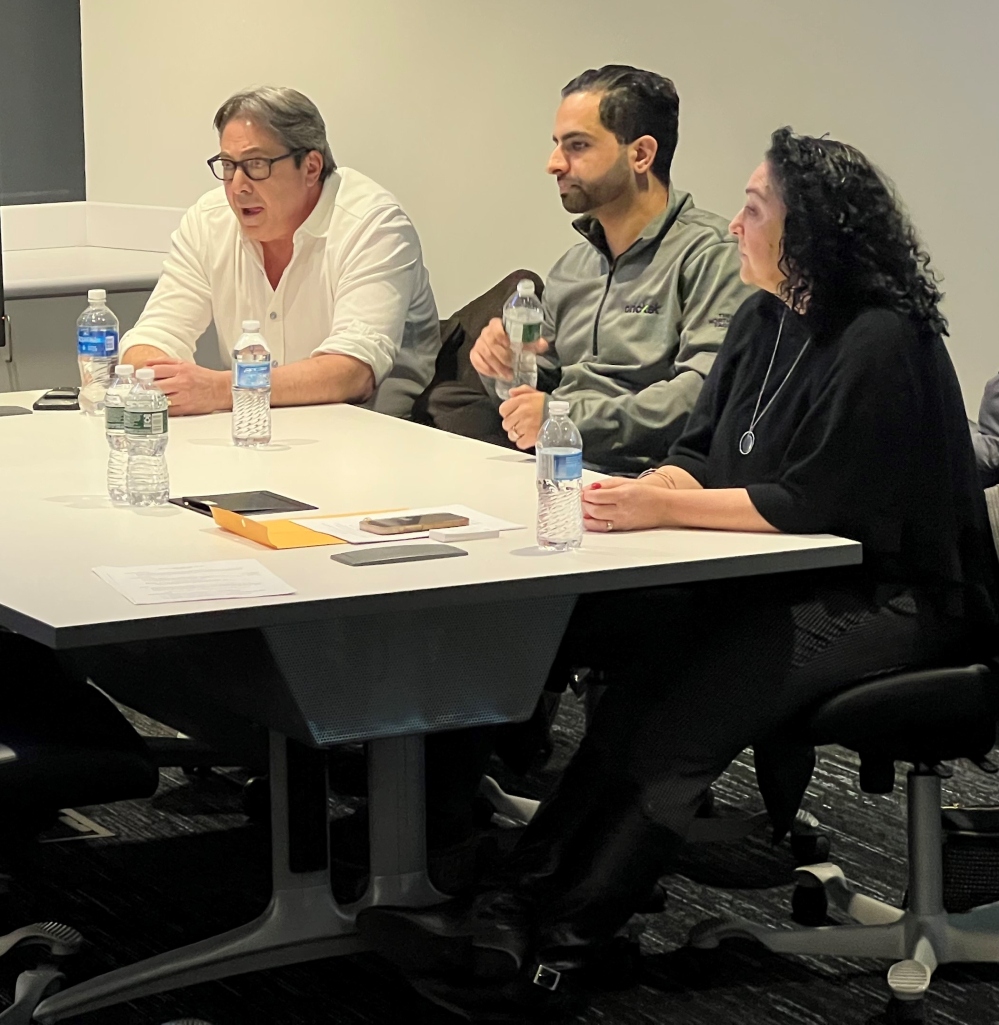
(698, 674)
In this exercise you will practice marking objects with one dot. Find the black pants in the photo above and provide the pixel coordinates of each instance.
(698, 674)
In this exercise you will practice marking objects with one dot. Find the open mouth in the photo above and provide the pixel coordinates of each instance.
(251, 211)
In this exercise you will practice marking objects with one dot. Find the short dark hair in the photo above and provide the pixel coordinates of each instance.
(848, 241)
(635, 103)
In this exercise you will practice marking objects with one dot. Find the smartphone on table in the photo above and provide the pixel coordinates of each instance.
(412, 524)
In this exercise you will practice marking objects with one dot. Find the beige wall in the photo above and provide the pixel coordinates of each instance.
(449, 104)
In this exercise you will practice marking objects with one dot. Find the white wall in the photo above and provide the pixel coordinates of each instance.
(449, 104)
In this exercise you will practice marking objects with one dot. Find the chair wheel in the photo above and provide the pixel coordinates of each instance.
(905, 1012)
(810, 848)
(809, 905)
(257, 799)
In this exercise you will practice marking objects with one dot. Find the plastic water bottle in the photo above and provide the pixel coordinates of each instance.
(96, 350)
(251, 388)
(114, 428)
(146, 422)
(560, 481)
(522, 319)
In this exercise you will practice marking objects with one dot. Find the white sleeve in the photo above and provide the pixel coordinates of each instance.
(374, 292)
(180, 308)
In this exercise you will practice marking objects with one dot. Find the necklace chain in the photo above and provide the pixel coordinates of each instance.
(748, 439)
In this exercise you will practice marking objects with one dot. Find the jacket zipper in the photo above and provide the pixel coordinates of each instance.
(600, 308)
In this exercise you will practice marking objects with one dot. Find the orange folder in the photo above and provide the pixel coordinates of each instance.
(272, 533)
(280, 533)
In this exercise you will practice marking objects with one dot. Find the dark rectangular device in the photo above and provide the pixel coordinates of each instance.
(246, 503)
(412, 524)
(58, 398)
(384, 555)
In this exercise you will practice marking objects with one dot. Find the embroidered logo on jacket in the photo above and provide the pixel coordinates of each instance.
(649, 307)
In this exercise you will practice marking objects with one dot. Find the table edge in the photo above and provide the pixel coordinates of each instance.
(585, 582)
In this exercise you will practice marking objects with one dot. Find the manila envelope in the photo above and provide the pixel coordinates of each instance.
(272, 533)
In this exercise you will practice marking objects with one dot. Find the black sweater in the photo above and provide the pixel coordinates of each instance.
(868, 439)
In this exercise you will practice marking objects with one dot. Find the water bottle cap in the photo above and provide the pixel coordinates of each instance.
(124, 370)
(251, 327)
(525, 287)
(558, 407)
(145, 374)
(96, 295)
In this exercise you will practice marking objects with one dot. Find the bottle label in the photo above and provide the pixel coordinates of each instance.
(96, 341)
(518, 331)
(568, 467)
(145, 421)
(253, 375)
(114, 418)
(559, 465)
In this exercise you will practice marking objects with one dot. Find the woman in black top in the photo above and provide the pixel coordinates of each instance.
(833, 407)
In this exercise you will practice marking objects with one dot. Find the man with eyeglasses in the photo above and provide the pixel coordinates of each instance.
(322, 257)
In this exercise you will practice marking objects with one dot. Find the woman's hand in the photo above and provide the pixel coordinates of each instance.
(626, 504)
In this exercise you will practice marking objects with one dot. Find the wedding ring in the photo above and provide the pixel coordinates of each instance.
(610, 526)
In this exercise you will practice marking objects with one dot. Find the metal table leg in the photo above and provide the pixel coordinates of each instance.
(397, 812)
(302, 922)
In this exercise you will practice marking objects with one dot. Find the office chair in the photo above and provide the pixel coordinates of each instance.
(924, 718)
(66, 746)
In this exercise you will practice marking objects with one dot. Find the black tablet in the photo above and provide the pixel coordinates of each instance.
(246, 503)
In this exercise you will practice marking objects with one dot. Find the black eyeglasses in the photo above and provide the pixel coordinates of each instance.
(258, 169)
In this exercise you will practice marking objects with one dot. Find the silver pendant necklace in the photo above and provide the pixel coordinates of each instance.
(748, 440)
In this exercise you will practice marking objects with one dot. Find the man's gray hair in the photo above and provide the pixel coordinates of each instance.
(286, 113)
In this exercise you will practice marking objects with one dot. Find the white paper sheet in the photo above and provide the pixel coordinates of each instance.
(347, 528)
(193, 581)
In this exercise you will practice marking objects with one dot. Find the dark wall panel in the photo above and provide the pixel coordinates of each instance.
(41, 102)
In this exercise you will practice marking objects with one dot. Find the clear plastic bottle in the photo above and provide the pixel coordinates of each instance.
(96, 351)
(522, 319)
(146, 420)
(114, 428)
(560, 481)
(251, 388)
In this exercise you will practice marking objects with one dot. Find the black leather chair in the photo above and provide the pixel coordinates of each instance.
(67, 745)
(924, 719)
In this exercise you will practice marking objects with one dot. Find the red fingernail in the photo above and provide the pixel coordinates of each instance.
(595, 487)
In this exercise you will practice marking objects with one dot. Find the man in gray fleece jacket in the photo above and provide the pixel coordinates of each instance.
(636, 313)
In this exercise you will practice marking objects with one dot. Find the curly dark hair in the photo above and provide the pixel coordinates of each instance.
(848, 243)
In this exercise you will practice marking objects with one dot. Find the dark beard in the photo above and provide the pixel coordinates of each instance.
(581, 199)
(577, 200)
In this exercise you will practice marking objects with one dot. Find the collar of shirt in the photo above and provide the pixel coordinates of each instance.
(653, 232)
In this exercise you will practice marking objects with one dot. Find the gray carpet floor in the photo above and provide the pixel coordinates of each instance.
(186, 864)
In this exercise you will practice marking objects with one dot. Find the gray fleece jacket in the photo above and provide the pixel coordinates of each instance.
(632, 339)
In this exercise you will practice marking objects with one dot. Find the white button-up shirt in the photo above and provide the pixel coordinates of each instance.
(356, 285)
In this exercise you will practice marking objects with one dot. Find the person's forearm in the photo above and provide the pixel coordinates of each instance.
(715, 509)
(673, 477)
(321, 379)
(139, 355)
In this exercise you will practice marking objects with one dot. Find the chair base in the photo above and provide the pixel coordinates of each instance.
(917, 942)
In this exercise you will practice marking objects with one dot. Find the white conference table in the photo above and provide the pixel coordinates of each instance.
(384, 654)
